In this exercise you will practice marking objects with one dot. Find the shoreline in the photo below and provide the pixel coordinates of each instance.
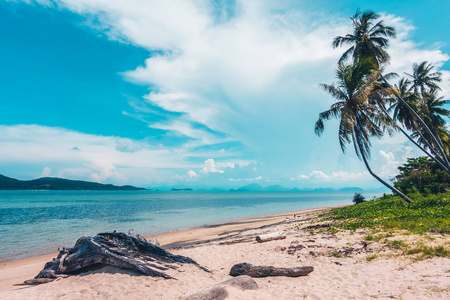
(346, 265)
(16, 271)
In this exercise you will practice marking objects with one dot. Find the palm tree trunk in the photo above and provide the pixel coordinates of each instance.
(436, 159)
(432, 149)
(443, 157)
(396, 191)
(438, 138)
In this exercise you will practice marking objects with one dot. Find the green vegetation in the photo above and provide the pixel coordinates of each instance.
(51, 183)
(368, 106)
(389, 220)
(421, 175)
(371, 257)
(358, 198)
(396, 244)
(427, 251)
(390, 213)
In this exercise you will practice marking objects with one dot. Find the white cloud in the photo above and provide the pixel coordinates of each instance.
(210, 166)
(390, 167)
(404, 52)
(225, 75)
(250, 78)
(192, 174)
(101, 158)
(259, 178)
(229, 164)
(336, 176)
(46, 172)
(260, 66)
(389, 155)
(318, 174)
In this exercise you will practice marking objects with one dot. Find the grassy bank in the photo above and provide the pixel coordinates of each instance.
(389, 218)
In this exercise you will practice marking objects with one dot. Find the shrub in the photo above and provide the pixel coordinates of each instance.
(358, 198)
(421, 175)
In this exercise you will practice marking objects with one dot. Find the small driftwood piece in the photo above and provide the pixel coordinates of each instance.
(270, 237)
(264, 271)
(123, 250)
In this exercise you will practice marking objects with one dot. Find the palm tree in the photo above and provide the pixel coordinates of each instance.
(407, 119)
(369, 39)
(435, 144)
(399, 112)
(432, 111)
(423, 79)
(359, 118)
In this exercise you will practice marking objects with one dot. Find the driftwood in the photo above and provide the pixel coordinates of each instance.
(117, 249)
(264, 271)
(270, 237)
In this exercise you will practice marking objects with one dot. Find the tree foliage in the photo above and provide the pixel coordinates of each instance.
(358, 198)
(358, 93)
(421, 175)
(368, 39)
(367, 105)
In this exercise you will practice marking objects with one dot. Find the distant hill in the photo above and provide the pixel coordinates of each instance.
(351, 189)
(324, 190)
(181, 190)
(277, 188)
(52, 183)
(255, 187)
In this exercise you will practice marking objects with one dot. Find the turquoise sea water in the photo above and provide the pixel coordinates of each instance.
(38, 222)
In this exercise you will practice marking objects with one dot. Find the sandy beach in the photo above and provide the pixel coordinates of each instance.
(343, 268)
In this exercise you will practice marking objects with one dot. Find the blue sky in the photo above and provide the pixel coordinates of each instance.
(192, 93)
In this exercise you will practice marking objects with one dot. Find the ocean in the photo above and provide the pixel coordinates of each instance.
(38, 222)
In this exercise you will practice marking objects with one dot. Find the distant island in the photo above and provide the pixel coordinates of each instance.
(255, 187)
(181, 190)
(52, 183)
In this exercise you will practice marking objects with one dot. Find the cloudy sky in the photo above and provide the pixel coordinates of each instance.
(192, 93)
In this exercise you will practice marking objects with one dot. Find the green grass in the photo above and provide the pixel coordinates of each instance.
(428, 251)
(390, 216)
(371, 257)
(377, 237)
(390, 213)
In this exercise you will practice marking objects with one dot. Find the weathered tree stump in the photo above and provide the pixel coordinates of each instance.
(264, 271)
(117, 249)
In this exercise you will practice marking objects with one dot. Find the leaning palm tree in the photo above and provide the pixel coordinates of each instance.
(423, 82)
(407, 120)
(423, 78)
(370, 41)
(398, 110)
(433, 112)
(369, 38)
(359, 119)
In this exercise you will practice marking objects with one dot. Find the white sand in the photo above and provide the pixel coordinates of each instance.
(389, 276)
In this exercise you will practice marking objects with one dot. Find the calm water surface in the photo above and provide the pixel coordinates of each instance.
(37, 222)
